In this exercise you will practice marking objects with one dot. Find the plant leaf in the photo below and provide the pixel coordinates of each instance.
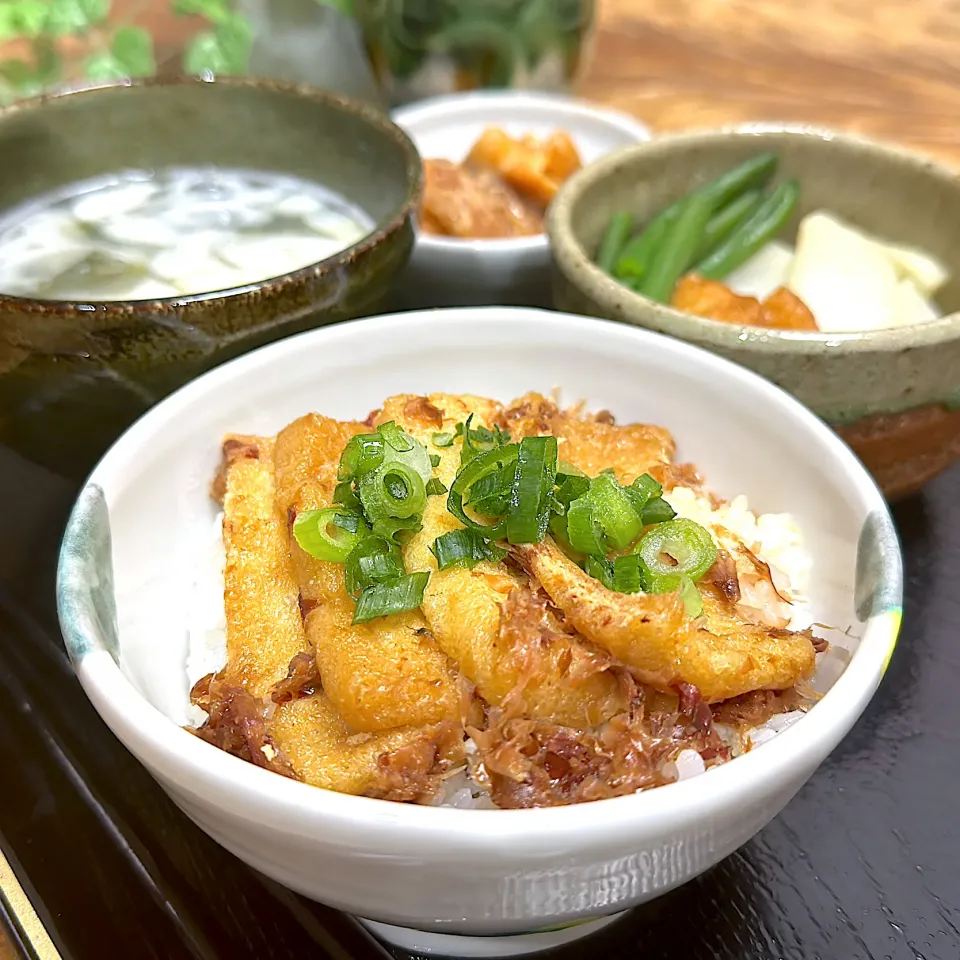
(344, 6)
(65, 17)
(132, 48)
(22, 18)
(225, 50)
(216, 11)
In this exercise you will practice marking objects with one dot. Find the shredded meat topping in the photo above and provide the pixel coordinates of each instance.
(723, 574)
(236, 723)
(415, 773)
(302, 679)
(671, 475)
(755, 708)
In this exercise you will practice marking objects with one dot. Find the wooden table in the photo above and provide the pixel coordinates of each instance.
(887, 68)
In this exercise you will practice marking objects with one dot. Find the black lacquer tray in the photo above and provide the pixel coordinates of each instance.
(863, 863)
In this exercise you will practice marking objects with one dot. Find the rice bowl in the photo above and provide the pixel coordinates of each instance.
(530, 869)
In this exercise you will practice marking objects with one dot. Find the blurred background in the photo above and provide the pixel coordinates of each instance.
(888, 67)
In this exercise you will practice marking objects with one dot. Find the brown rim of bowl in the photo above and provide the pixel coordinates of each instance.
(571, 257)
(371, 114)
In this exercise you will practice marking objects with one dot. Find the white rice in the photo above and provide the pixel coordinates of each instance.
(774, 538)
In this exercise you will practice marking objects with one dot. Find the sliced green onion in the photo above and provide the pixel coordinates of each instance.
(390, 527)
(435, 487)
(480, 466)
(570, 488)
(394, 489)
(691, 598)
(490, 495)
(393, 596)
(478, 439)
(362, 454)
(530, 501)
(398, 440)
(627, 575)
(614, 510)
(344, 494)
(464, 547)
(442, 440)
(601, 570)
(434, 460)
(675, 549)
(358, 568)
(657, 511)
(326, 534)
(583, 529)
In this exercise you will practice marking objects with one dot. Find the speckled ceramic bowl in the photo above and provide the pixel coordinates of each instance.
(73, 375)
(894, 395)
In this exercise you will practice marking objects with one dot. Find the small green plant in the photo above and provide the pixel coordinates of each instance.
(48, 32)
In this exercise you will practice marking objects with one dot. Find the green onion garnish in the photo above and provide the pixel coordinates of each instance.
(627, 576)
(394, 489)
(490, 495)
(434, 460)
(690, 597)
(620, 521)
(478, 439)
(390, 527)
(398, 440)
(584, 531)
(530, 500)
(392, 596)
(442, 440)
(328, 534)
(673, 550)
(464, 547)
(601, 570)
(435, 487)
(482, 465)
(360, 572)
(362, 454)
(344, 495)
(657, 511)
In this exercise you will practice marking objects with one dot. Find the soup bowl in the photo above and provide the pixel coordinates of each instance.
(893, 394)
(74, 374)
(434, 879)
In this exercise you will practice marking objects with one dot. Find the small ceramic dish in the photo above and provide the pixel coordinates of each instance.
(73, 375)
(893, 394)
(449, 271)
(434, 879)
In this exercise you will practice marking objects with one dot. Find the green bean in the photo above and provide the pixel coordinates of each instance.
(752, 173)
(614, 240)
(725, 221)
(638, 254)
(757, 230)
(678, 248)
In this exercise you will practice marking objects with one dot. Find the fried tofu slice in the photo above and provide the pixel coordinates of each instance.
(589, 443)
(264, 628)
(324, 752)
(728, 656)
(782, 310)
(722, 655)
(465, 608)
(380, 675)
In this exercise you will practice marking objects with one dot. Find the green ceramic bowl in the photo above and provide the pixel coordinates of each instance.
(73, 376)
(894, 395)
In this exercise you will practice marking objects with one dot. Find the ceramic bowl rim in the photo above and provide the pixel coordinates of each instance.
(573, 261)
(441, 106)
(321, 98)
(246, 790)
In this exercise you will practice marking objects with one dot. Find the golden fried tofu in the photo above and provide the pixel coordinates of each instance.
(264, 629)
(784, 310)
(323, 752)
(379, 675)
(723, 655)
(591, 444)
(464, 608)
